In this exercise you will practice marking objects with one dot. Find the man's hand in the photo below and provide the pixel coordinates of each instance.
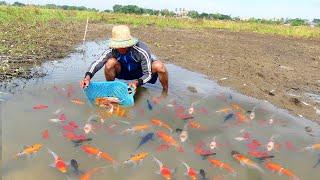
(133, 84)
(85, 82)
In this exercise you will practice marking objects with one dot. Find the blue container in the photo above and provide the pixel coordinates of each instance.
(116, 89)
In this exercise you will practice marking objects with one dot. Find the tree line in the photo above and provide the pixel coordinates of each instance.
(133, 9)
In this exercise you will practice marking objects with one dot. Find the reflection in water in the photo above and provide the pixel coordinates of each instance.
(222, 130)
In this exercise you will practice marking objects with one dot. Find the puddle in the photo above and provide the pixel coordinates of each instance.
(24, 125)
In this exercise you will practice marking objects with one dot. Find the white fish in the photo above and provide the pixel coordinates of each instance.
(252, 114)
(191, 110)
(270, 145)
(55, 120)
(239, 138)
(213, 143)
(87, 128)
(58, 111)
(184, 134)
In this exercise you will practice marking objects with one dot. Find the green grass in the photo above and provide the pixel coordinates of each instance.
(34, 15)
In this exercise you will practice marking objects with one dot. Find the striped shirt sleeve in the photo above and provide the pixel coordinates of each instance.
(145, 64)
(99, 63)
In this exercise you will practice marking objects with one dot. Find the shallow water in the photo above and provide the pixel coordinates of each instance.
(23, 125)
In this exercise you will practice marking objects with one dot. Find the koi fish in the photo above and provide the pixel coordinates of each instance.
(87, 128)
(145, 139)
(245, 161)
(202, 174)
(312, 147)
(99, 154)
(134, 129)
(221, 165)
(194, 124)
(87, 175)
(255, 144)
(78, 142)
(228, 117)
(75, 166)
(164, 171)
(106, 101)
(29, 150)
(162, 147)
(55, 120)
(184, 133)
(270, 145)
(278, 168)
(149, 105)
(169, 140)
(45, 134)
(77, 101)
(73, 124)
(191, 110)
(59, 164)
(213, 143)
(252, 114)
(224, 110)
(136, 159)
(160, 123)
(202, 152)
(241, 117)
(115, 110)
(40, 106)
(190, 171)
(62, 117)
(72, 136)
(236, 106)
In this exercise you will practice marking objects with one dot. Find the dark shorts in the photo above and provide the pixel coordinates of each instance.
(135, 74)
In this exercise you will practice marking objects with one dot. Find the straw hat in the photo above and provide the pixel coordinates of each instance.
(121, 37)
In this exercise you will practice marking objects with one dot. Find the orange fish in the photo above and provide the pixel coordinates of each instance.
(236, 107)
(87, 175)
(168, 139)
(278, 168)
(312, 147)
(105, 101)
(40, 106)
(190, 171)
(134, 129)
(224, 110)
(29, 150)
(241, 117)
(219, 164)
(115, 110)
(245, 161)
(45, 134)
(137, 158)
(194, 125)
(77, 101)
(160, 123)
(164, 171)
(99, 154)
(58, 163)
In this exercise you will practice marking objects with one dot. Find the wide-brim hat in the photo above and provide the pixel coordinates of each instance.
(121, 37)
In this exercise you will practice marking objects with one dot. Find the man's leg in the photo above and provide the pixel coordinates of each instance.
(158, 67)
(111, 69)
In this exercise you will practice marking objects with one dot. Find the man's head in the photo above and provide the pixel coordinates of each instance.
(121, 38)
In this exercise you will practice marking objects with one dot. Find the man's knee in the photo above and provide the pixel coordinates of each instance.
(111, 64)
(158, 67)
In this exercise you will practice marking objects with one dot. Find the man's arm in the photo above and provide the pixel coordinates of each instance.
(145, 64)
(98, 64)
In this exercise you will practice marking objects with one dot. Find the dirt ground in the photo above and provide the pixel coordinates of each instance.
(274, 68)
(277, 69)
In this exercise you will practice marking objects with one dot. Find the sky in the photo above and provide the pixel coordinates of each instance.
(306, 9)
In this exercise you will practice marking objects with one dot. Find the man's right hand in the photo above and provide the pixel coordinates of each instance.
(85, 82)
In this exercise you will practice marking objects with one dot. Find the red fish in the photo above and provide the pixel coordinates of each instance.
(73, 124)
(68, 127)
(162, 147)
(289, 145)
(40, 106)
(70, 90)
(203, 110)
(254, 145)
(62, 117)
(45, 134)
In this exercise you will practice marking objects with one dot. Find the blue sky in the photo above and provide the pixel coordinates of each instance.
(307, 9)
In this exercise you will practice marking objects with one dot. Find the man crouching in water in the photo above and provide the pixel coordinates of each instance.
(129, 59)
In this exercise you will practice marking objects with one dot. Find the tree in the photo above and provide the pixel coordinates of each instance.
(18, 4)
(3, 3)
(297, 22)
(193, 14)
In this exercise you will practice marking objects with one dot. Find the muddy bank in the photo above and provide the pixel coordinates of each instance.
(278, 69)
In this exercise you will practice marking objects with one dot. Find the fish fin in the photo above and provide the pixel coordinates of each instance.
(52, 165)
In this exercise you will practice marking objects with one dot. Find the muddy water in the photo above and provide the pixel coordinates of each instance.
(23, 125)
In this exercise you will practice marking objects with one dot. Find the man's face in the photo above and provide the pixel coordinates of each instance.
(122, 50)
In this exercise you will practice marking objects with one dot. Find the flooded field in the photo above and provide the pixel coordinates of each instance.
(215, 121)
